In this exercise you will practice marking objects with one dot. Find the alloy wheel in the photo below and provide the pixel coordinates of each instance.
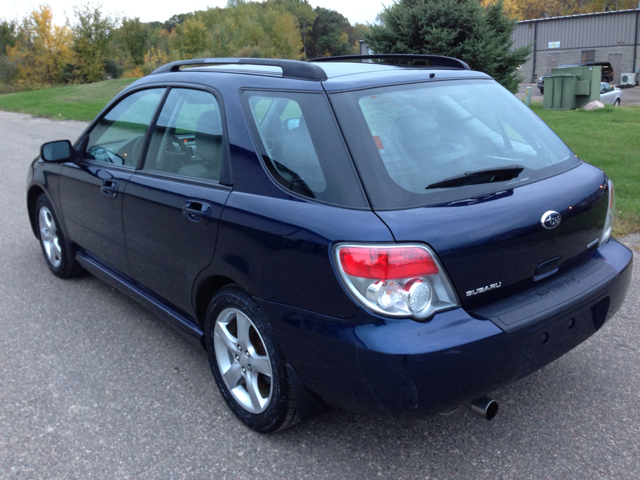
(243, 360)
(49, 237)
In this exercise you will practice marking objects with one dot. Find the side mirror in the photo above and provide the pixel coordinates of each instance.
(58, 151)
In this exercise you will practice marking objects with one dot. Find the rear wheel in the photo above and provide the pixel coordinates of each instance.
(57, 250)
(247, 362)
(616, 103)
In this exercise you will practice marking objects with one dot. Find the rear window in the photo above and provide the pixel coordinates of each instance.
(406, 139)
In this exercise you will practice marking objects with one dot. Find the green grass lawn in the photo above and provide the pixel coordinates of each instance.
(71, 102)
(610, 139)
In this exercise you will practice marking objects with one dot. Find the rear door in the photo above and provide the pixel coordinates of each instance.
(172, 205)
(91, 189)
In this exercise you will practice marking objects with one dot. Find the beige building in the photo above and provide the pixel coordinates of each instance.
(603, 36)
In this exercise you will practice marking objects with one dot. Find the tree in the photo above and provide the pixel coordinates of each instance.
(135, 35)
(8, 31)
(330, 35)
(528, 9)
(40, 50)
(8, 69)
(456, 28)
(195, 37)
(91, 34)
(358, 32)
(251, 29)
(304, 13)
(176, 20)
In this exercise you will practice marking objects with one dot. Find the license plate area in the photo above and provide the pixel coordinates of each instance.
(551, 341)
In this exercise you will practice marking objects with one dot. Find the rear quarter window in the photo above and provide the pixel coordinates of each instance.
(301, 146)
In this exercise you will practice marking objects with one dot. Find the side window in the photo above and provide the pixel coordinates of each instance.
(588, 56)
(605, 88)
(187, 139)
(118, 137)
(286, 138)
(301, 146)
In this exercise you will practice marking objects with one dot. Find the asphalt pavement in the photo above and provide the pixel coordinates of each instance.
(94, 386)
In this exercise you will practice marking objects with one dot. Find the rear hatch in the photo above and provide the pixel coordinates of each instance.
(495, 246)
(465, 167)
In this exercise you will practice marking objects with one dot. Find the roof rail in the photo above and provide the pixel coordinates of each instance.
(434, 60)
(290, 68)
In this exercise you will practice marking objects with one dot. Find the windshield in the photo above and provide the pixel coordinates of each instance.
(410, 137)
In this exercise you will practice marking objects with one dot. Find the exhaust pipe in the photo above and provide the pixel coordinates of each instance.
(484, 407)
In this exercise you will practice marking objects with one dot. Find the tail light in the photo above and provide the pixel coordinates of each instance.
(611, 210)
(395, 280)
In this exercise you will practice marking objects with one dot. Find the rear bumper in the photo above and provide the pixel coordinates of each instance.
(378, 365)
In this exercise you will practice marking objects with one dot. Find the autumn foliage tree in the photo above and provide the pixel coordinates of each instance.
(529, 9)
(41, 50)
(247, 29)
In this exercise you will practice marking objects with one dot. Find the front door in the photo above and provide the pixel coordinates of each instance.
(91, 189)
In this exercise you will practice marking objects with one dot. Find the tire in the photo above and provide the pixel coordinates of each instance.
(541, 90)
(58, 252)
(616, 103)
(247, 363)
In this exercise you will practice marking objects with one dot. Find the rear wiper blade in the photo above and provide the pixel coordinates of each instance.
(496, 174)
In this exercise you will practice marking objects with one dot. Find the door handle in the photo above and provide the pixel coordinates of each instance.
(109, 188)
(197, 212)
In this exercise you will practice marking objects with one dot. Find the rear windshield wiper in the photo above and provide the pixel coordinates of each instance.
(497, 174)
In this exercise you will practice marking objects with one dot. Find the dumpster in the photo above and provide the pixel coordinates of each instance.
(572, 87)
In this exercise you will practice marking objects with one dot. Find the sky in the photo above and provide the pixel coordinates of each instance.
(357, 11)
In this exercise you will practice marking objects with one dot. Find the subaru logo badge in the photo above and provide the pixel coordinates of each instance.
(550, 219)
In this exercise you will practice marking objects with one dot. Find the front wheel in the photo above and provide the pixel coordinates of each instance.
(616, 103)
(57, 250)
(247, 363)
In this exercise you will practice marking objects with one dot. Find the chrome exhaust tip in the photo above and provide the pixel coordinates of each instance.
(484, 407)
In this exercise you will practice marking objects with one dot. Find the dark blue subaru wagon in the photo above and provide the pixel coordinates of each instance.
(383, 238)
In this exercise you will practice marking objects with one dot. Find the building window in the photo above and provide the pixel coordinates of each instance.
(588, 56)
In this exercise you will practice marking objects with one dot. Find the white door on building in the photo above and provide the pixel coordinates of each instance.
(615, 59)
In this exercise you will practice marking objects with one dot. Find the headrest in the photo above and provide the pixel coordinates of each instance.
(209, 136)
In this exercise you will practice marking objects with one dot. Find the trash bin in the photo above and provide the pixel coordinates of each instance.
(572, 87)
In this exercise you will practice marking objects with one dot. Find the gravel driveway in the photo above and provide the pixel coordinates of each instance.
(94, 386)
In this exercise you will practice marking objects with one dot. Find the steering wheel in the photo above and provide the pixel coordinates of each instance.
(178, 145)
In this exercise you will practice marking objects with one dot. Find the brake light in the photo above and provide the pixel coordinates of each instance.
(395, 280)
(387, 263)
